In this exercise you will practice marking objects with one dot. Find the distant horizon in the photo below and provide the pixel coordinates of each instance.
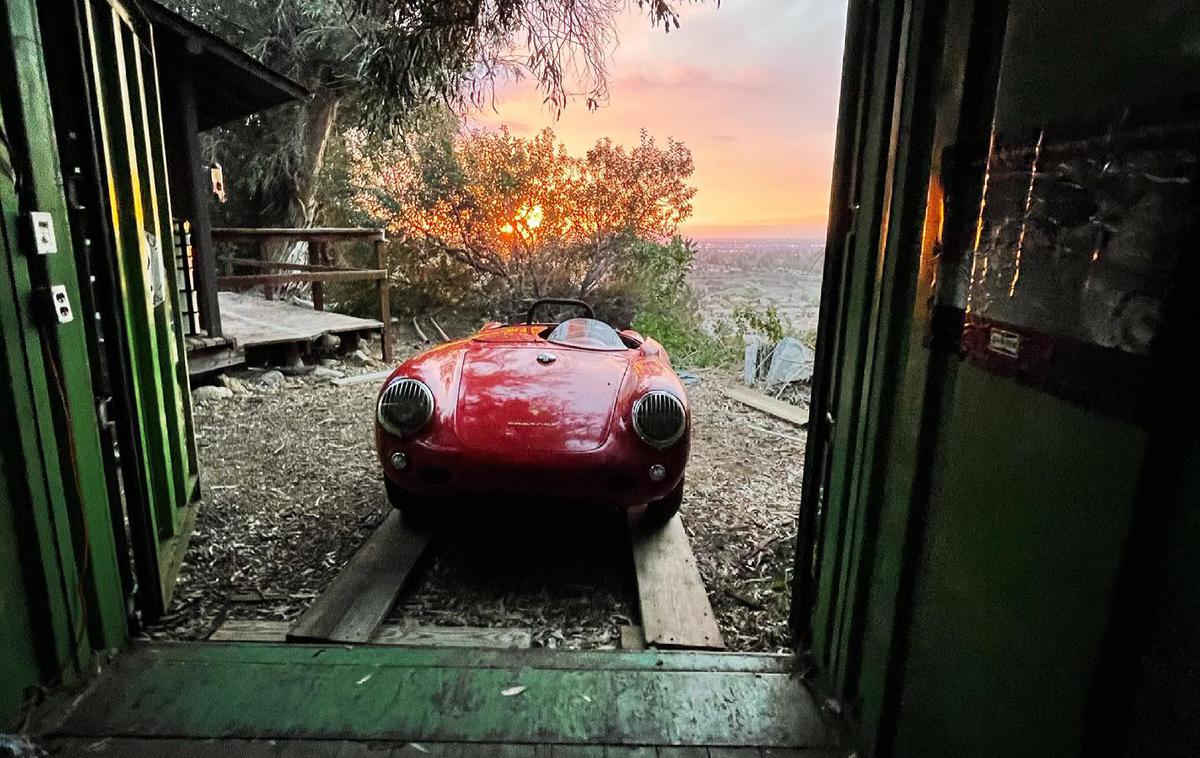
(750, 88)
(810, 231)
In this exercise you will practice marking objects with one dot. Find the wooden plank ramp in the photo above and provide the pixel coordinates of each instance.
(270, 630)
(771, 406)
(358, 599)
(674, 605)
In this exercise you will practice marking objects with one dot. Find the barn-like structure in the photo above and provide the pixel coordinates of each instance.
(997, 547)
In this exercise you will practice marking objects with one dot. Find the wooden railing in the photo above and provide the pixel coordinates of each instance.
(316, 272)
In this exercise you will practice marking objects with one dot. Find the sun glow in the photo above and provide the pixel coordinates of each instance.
(526, 219)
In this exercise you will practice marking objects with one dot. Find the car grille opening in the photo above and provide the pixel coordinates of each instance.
(659, 418)
(405, 406)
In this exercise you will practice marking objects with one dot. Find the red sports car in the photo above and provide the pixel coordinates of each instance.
(563, 411)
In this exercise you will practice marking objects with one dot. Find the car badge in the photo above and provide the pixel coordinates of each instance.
(546, 358)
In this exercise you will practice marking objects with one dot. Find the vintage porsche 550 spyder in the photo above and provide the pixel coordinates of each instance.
(563, 411)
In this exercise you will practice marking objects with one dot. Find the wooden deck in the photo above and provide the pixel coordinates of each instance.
(254, 321)
(242, 699)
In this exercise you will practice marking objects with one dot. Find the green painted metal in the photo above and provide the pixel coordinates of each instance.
(68, 366)
(152, 105)
(1021, 557)
(125, 207)
(857, 332)
(976, 529)
(60, 584)
(19, 662)
(220, 691)
(35, 527)
(134, 53)
(126, 91)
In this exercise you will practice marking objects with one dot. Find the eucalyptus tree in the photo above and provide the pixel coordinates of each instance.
(379, 64)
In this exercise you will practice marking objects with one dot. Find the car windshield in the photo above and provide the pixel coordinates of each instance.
(586, 332)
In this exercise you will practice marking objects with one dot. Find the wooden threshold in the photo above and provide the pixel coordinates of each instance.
(239, 630)
(233, 691)
(185, 748)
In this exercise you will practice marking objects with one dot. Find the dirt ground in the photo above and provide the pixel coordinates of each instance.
(292, 489)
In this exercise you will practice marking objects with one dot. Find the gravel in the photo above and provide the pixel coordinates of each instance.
(292, 489)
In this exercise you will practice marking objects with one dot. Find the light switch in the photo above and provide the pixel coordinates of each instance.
(43, 232)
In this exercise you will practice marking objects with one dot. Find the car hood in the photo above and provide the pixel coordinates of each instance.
(563, 402)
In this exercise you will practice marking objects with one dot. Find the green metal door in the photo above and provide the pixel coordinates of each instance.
(125, 90)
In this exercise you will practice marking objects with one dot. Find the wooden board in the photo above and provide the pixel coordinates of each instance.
(230, 691)
(373, 376)
(253, 321)
(632, 637)
(767, 404)
(207, 360)
(125, 747)
(453, 636)
(358, 599)
(239, 630)
(671, 595)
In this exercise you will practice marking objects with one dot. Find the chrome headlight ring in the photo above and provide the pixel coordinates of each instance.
(659, 419)
(405, 406)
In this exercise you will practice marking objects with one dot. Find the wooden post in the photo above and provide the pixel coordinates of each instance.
(198, 189)
(385, 306)
(268, 290)
(316, 256)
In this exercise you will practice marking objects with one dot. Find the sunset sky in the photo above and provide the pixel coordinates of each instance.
(751, 87)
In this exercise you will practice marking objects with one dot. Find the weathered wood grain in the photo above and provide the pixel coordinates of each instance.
(91, 747)
(674, 604)
(767, 404)
(632, 637)
(373, 376)
(243, 630)
(358, 599)
(231, 691)
(453, 636)
(252, 321)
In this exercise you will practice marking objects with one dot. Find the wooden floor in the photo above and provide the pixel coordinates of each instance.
(193, 699)
(254, 321)
(134, 748)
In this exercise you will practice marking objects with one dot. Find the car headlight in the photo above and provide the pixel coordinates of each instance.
(405, 406)
(659, 418)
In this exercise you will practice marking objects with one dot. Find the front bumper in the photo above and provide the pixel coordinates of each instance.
(616, 474)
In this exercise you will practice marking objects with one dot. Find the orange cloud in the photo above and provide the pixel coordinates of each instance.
(751, 88)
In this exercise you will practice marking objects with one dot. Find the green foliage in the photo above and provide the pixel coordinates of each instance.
(763, 322)
(382, 64)
(667, 308)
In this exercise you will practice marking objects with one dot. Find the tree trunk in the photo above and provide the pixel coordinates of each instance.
(314, 124)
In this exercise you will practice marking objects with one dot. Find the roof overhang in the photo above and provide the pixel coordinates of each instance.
(230, 84)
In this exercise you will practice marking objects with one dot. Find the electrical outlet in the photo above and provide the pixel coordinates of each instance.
(42, 226)
(61, 304)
